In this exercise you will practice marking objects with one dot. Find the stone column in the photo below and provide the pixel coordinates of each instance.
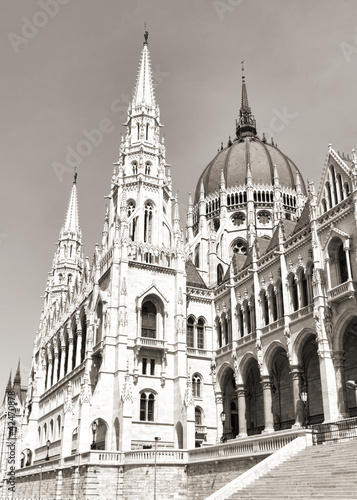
(49, 373)
(328, 273)
(338, 361)
(70, 355)
(79, 347)
(298, 404)
(219, 409)
(268, 405)
(55, 367)
(63, 360)
(348, 261)
(242, 411)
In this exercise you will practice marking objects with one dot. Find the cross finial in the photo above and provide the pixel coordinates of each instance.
(242, 63)
(75, 175)
(146, 34)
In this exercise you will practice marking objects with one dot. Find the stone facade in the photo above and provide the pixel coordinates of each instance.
(162, 333)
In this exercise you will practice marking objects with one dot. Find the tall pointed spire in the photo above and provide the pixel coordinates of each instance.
(144, 89)
(9, 383)
(246, 126)
(71, 223)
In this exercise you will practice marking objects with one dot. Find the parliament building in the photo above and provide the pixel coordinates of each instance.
(174, 340)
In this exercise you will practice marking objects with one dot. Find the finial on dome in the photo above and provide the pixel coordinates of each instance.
(229, 144)
(146, 34)
(75, 176)
(221, 145)
(246, 126)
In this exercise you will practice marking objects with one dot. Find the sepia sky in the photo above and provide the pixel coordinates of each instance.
(68, 64)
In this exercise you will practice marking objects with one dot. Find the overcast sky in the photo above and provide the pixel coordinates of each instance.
(64, 71)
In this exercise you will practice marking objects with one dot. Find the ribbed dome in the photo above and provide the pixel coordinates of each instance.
(260, 156)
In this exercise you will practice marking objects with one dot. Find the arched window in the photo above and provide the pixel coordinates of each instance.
(135, 167)
(133, 221)
(99, 331)
(138, 130)
(148, 211)
(147, 132)
(74, 351)
(200, 334)
(197, 256)
(84, 336)
(280, 300)
(51, 436)
(147, 168)
(329, 195)
(324, 205)
(248, 317)
(265, 307)
(219, 274)
(147, 407)
(198, 416)
(148, 320)
(196, 385)
(303, 289)
(274, 305)
(339, 272)
(340, 186)
(190, 332)
(240, 321)
(59, 427)
(219, 331)
(293, 293)
(347, 189)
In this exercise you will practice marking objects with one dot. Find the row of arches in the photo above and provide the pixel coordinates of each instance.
(66, 350)
(268, 397)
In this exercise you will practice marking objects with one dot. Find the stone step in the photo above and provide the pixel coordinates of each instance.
(326, 471)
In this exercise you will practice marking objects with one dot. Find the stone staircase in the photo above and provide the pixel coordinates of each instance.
(328, 471)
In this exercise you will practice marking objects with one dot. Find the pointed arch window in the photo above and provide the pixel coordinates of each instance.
(198, 416)
(147, 132)
(147, 168)
(196, 385)
(138, 130)
(132, 223)
(219, 274)
(148, 211)
(134, 166)
(147, 407)
(200, 334)
(148, 320)
(189, 332)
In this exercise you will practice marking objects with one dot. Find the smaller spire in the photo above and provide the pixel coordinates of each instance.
(223, 181)
(202, 191)
(17, 379)
(246, 126)
(9, 383)
(276, 176)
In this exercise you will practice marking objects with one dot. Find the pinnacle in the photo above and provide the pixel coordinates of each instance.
(71, 224)
(144, 88)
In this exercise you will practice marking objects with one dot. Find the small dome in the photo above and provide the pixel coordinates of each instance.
(260, 156)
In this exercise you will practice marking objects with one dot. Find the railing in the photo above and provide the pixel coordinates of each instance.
(101, 457)
(150, 342)
(341, 430)
(224, 349)
(242, 447)
(201, 429)
(342, 292)
(162, 456)
(273, 326)
(300, 313)
(197, 352)
(247, 338)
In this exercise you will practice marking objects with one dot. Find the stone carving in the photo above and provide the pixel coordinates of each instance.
(235, 365)
(259, 354)
(213, 369)
(68, 405)
(318, 326)
(127, 392)
(329, 326)
(287, 334)
(85, 395)
(188, 397)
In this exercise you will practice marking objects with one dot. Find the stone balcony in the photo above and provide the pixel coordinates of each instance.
(150, 343)
(345, 291)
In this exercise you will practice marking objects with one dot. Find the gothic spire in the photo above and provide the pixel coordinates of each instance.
(9, 383)
(17, 379)
(71, 223)
(144, 88)
(246, 126)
